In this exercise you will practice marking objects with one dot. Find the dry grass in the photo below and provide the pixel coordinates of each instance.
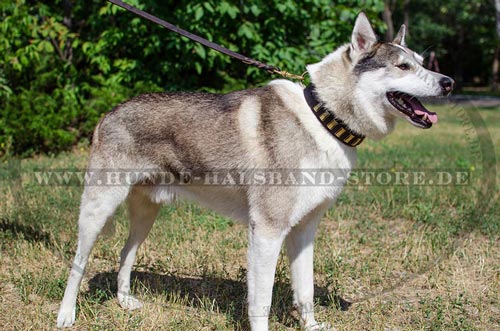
(387, 258)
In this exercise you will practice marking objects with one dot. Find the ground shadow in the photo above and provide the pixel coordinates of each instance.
(26, 232)
(228, 295)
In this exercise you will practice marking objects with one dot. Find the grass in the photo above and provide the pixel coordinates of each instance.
(480, 91)
(387, 257)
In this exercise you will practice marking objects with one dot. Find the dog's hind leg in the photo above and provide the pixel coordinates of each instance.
(142, 213)
(98, 204)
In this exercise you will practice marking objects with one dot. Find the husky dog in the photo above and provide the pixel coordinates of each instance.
(365, 84)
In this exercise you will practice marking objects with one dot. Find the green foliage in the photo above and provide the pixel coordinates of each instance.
(462, 33)
(66, 62)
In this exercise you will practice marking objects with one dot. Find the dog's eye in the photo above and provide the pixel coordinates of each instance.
(404, 66)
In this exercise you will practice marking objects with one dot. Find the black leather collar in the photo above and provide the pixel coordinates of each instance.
(335, 126)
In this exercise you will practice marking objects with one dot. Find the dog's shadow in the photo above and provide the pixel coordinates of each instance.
(228, 295)
(29, 232)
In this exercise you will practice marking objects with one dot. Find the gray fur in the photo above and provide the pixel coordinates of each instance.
(171, 130)
(381, 56)
(199, 132)
(269, 128)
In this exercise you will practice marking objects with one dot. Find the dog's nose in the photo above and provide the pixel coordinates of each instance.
(447, 84)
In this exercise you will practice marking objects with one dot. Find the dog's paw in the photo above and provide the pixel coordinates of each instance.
(320, 327)
(66, 318)
(129, 302)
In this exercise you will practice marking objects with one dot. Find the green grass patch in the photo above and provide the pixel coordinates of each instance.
(402, 257)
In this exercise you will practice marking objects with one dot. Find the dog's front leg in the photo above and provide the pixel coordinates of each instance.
(263, 251)
(299, 246)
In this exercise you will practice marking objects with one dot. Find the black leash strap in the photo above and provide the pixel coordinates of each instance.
(205, 42)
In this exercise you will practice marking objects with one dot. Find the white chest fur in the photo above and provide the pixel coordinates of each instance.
(328, 167)
(332, 161)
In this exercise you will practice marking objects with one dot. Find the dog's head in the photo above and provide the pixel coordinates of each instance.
(381, 81)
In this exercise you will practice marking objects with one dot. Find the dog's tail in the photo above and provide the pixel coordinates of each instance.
(109, 229)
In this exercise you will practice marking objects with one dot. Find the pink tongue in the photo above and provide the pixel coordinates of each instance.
(419, 109)
(431, 117)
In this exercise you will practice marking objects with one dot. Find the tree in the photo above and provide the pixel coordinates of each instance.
(497, 12)
(461, 32)
(391, 6)
(64, 63)
(496, 59)
(387, 16)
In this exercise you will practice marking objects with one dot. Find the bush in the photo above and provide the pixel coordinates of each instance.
(66, 62)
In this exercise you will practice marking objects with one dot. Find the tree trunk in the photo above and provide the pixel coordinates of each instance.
(387, 15)
(406, 14)
(68, 22)
(497, 12)
(495, 86)
(494, 76)
(457, 58)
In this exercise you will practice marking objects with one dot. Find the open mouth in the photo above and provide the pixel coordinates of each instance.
(413, 110)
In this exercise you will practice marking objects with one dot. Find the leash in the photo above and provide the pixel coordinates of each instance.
(269, 68)
(334, 125)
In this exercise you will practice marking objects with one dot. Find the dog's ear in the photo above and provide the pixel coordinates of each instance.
(363, 36)
(400, 37)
